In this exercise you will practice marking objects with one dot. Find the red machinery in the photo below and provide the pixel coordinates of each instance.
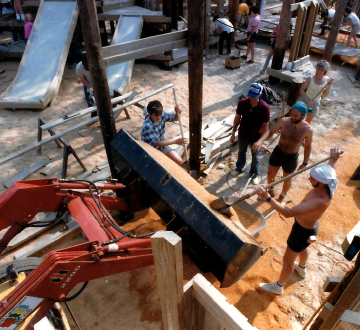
(109, 250)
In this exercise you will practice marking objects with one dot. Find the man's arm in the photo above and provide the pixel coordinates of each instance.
(307, 149)
(264, 132)
(235, 126)
(287, 212)
(84, 81)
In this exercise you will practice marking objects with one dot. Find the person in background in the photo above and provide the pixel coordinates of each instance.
(244, 10)
(223, 27)
(274, 35)
(84, 76)
(354, 22)
(313, 85)
(28, 26)
(153, 130)
(20, 17)
(252, 31)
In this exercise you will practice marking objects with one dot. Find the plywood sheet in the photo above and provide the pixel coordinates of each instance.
(338, 49)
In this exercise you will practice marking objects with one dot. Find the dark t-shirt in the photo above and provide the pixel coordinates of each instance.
(252, 119)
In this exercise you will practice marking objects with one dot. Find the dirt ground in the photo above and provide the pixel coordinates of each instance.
(130, 299)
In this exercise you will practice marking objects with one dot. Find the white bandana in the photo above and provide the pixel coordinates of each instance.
(325, 174)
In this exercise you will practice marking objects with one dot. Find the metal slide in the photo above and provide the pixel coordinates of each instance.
(41, 68)
(128, 28)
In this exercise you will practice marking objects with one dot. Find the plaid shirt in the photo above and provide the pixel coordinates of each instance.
(152, 133)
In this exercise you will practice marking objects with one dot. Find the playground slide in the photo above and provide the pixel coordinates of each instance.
(41, 68)
(128, 28)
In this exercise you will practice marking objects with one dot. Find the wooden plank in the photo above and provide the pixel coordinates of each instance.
(349, 298)
(36, 3)
(297, 33)
(307, 3)
(37, 247)
(213, 160)
(325, 312)
(30, 170)
(12, 23)
(158, 57)
(152, 50)
(309, 26)
(216, 304)
(349, 320)
(223, 144)
(48, 169)
(331, 282)
(167, 249)
(300, 62)
(146, 18)
(350, 236)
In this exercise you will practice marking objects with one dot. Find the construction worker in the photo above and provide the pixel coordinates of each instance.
(244, 10)
(316, 87)
(354, 22)
(225, 29)
(153, 130)
(253, 115)
(307, 215)
(293, 131)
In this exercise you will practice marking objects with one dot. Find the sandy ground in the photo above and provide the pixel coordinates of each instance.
(130, 299)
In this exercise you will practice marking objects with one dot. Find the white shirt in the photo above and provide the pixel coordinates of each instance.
(224, 24)
(331, 13)
(354, 19)
(80, 71)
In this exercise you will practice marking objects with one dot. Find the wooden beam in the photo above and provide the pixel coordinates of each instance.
(91, 33)
(299, 27)
(308, 3)
(349, 320)
(334, 31)
(331, 282)
(174, 14)
(349, 298)
(168, 264)
(195, 68)
(282, 39)
(141, 53)
(309, 27)
(233, 15)
(220, 8)
(73, 128)
(146, 18)
(216, 304)
(207, 23)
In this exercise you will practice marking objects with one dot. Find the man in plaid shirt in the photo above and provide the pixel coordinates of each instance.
(153, 130)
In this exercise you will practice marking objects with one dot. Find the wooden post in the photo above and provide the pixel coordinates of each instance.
(294, 91)
(174, 14)
(91, 33)
(220, 8)
(335, 27)
(195, 68)
(297, 33)
(309, 27)
(348, 300)
(233, 15)
(258, 4)
(207, 23)
(282, 38)
(168, 263)
(180, 4)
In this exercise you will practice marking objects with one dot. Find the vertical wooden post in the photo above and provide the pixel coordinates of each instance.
(294, 91)
(258, 4)
(335, 27)
(180, 4)
(169, 277)
(195, 68)
(91, 33)
(299, 27)
(233, 15)
(167, 12)
(174, 14)
(309, 27)
(220, 8)
(282, 39)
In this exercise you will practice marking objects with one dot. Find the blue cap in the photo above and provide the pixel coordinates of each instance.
(302, 108)
(255, 91)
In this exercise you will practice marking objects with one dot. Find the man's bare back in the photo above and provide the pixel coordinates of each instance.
(292, 135)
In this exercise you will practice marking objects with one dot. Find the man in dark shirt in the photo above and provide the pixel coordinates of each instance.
(253, 114)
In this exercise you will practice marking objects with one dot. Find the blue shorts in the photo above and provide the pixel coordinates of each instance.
(252, 38)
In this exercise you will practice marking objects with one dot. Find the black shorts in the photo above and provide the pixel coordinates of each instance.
(253, 37)
(299, 235)
(288, 162)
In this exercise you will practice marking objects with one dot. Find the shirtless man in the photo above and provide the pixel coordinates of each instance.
(293, 131)
(306, 215)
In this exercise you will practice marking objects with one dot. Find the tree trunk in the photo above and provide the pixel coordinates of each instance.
(195, 68)
(91, 33)
(335, 27)
(282, 39)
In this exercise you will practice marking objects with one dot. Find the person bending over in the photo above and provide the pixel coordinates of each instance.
(354, 22)
(153, 130)
(306, 216)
